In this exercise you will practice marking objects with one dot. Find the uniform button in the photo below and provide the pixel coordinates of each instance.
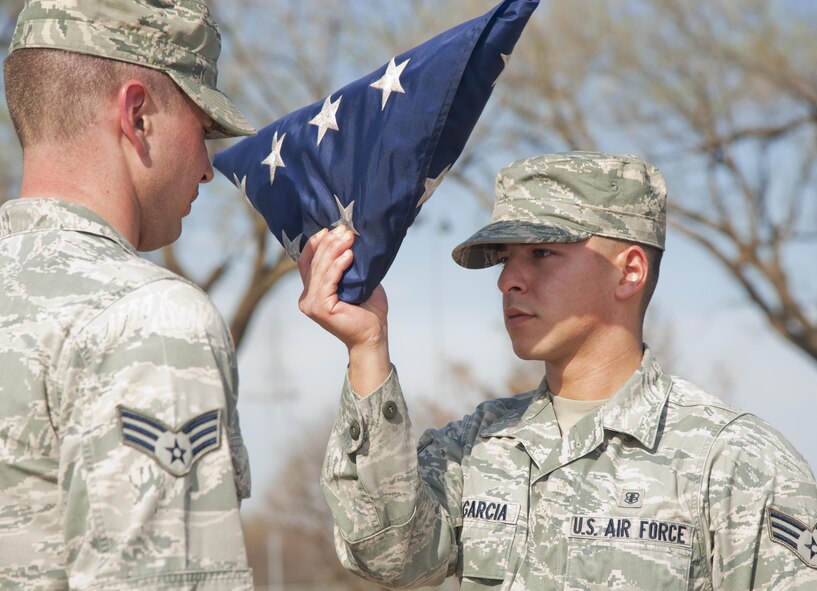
(389, 409)
(354, 430)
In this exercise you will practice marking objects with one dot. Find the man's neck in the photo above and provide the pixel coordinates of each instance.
(595, 373)
(84, 174)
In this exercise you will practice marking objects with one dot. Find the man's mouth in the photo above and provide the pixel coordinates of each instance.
(514, 315)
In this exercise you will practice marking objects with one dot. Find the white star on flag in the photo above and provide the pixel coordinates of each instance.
(274, 159)
(345, 216)
(431, 185)
(292, 247)
(326, 118)
(241, 185)
(390, 82)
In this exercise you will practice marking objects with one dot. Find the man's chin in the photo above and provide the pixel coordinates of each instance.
(532, 352)
(524, 353)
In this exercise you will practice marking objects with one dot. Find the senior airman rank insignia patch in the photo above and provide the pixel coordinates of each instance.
(177, 451)
(794, 535)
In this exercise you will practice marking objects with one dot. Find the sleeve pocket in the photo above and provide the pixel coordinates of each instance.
(484, 549)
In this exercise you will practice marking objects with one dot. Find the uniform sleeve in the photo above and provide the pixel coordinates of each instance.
(152, 465)
(394, 514)
(761, 499)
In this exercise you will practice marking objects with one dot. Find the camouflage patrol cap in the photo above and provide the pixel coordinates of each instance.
(178, 37)
(569, 197)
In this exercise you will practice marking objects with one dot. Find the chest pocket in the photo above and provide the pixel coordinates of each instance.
(626, 565)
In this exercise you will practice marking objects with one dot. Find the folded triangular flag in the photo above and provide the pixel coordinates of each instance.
(372, 153)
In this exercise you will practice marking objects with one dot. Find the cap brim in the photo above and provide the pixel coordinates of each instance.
(229, 121)
(480, 250)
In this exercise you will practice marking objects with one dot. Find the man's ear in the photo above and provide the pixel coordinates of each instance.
(133, 98)
(634, 267)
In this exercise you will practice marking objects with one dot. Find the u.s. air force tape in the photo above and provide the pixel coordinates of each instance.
(177, 451)
(637, 529)
(794, 535)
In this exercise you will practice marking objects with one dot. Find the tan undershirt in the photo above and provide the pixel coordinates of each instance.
(569, 412)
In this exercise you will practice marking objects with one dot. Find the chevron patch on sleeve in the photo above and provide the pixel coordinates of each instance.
(794, 535)
(177, 451)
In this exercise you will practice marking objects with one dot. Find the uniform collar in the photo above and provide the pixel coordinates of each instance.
(532, 426)
(637, 407)
(634, 410)
(522, 416)
(42, 214)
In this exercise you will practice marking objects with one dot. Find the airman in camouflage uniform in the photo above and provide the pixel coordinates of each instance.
(655, 485)
(121, 459)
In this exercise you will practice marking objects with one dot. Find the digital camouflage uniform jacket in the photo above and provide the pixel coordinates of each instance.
(121, 459)
(663, 487)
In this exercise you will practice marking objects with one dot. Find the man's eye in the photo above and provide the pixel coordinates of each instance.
(541, 252)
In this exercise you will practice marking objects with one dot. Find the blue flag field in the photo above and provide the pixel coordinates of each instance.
(370, 155)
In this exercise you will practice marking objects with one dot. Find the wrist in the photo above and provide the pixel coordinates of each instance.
(369, 367)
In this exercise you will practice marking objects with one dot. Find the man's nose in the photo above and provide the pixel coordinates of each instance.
(511, 279)
(208, 173)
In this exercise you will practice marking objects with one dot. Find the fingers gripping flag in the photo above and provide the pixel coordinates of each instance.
(371, 154)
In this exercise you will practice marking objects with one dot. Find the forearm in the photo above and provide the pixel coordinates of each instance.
(390, 528)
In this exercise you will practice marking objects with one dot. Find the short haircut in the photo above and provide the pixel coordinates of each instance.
(55, 95)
